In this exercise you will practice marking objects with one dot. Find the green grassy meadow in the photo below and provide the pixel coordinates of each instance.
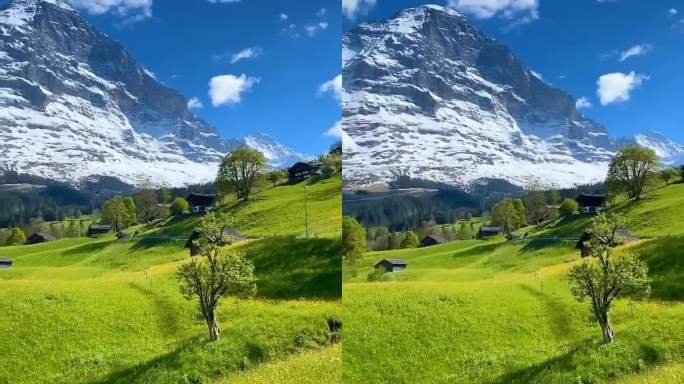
(109, 311)
(501, 312)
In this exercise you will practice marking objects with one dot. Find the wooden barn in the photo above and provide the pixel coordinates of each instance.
(39, 237)
(487, 232)
(591, 203)
(230, 235)
(5, 264)
(391, 265)
(200, 203)
(99, 229)
(431, 240)
(622, 236)
(301, 171)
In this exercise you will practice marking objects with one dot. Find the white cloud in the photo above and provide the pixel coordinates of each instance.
(582, 102)
(321, 12)
(195, 103)
(616, 87)
(246, 54)
(333, 86)
(133, 10)
(673, 12)
(520, 11)
(312, 30)
(283, 16)
(637, 50)
(352, 8)
(227, 89)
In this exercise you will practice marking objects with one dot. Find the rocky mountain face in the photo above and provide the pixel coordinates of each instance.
(427, 95)
(74, 103)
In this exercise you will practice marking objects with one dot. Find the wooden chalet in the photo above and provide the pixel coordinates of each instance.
(591, 203)
(488, 232)
(5, 264)
(301, 171)
(99, 229)
(200, 203)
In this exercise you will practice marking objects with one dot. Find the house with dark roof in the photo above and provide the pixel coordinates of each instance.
(301, 171)
(230, 236)
(40, 237)
(487, 232)
(5, 264)
(622, 236)
(391, 265)
(431, 240)
(200, 203)
(98, 230)
(591, 203)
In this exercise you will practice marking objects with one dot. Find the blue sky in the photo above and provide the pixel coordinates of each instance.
(638, 46)
(289, 50)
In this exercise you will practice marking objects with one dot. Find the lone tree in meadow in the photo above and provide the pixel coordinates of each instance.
(410, 240)
(608, 275)
(568, 207)
(630, 170)
(535, 203)
(146, 200)
(216, 272)
(16, 237)
(354, 242)
(275, 176)
(179, 206)
(505, 215)
(240, 170)
(668, 174)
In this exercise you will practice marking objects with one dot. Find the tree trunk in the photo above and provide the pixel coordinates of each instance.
(606, 330)
(214, 330)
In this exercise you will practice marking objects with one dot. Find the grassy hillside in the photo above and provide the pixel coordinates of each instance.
(499, 312)
(85, 311)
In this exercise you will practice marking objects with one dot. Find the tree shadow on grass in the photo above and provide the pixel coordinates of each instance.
(169, 362)
(479, 250)
(665, 266)
(289, 268)
(559, 315)
(167, 314)
(88, 249)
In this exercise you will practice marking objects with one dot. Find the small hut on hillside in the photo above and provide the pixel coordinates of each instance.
(487, 232)
(591, 203)
(98, 230)
(301, 171)
(5, 264)
(431, 240)
(39, 237)
(391, 265)
(200, 203)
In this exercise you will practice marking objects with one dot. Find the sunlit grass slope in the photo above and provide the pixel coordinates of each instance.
(109, 311)
(501, 312)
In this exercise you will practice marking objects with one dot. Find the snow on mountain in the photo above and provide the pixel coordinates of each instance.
(277, 155)
(428, 95)
(670, 153)
(74, 103)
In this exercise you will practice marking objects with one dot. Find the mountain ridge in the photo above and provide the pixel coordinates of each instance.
(427, 95)
(91, 109)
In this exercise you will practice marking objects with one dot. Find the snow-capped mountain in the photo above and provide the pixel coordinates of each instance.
(74, 103)
(428, 95)
(670, 153)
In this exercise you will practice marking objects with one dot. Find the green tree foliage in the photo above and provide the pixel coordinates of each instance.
(505, 215)
(275, 176)
(521, 211)
(116, 213)
(16, 237)
(606, 276)
(631, 169)
(73, 230)
(240, 170)
(410, 240)
(165, 196)
(332, 164)
(535, 203)
(179, 206)
(132, 210)
(667, 175)
(568, 207)
(216, 272)
(353, 240)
